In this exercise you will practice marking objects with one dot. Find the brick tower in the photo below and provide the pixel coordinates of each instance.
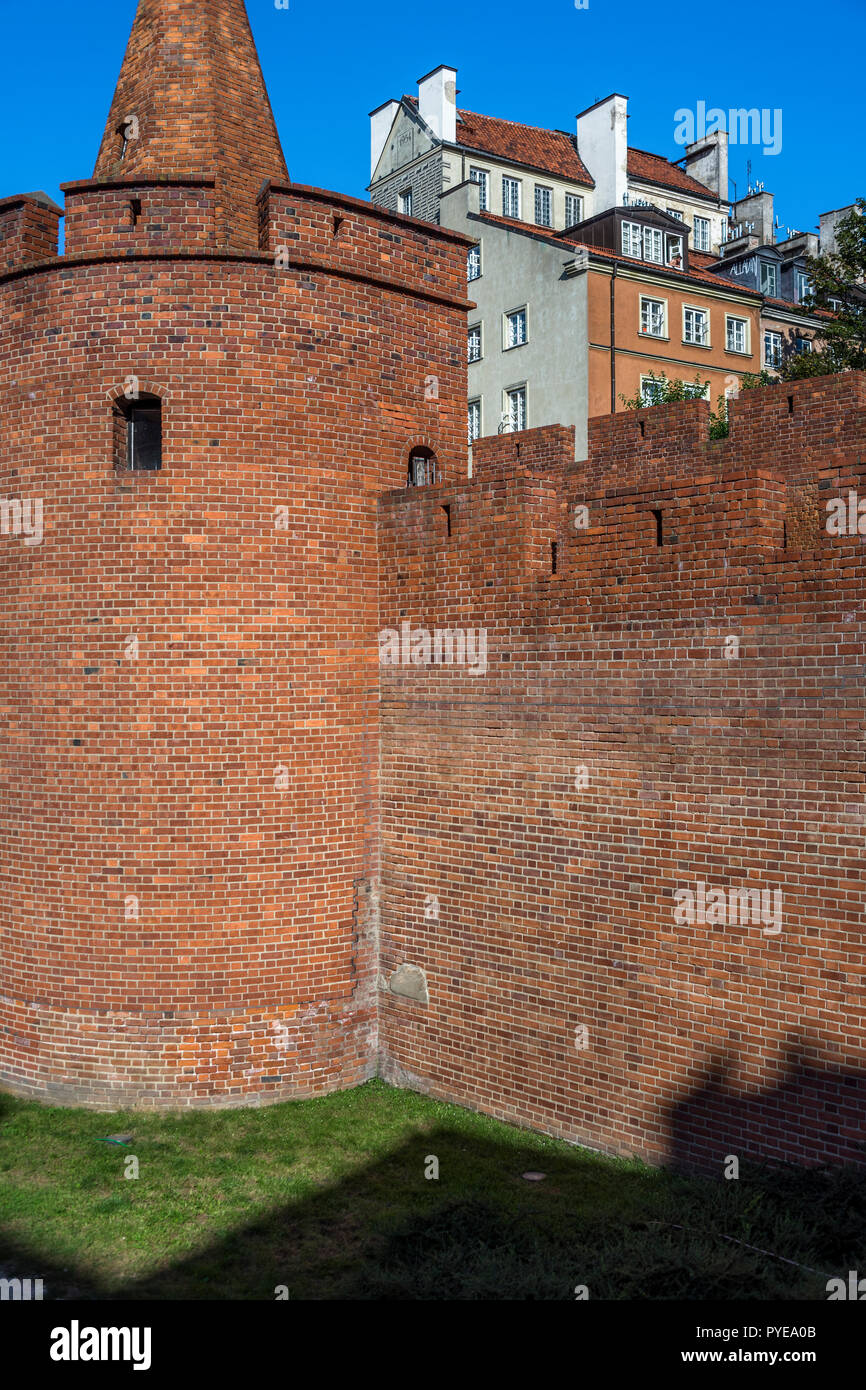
(203, 399)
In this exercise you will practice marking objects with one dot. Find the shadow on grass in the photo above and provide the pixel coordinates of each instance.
(483, 1232)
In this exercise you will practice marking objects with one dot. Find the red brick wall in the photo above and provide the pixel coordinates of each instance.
(28, 231)
(556, 907)
(177, 927)
(170, 217)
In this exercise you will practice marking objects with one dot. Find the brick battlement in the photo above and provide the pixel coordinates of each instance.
(649, 719)
(28, 230)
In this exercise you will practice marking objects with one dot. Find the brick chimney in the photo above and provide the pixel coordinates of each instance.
(190, 101)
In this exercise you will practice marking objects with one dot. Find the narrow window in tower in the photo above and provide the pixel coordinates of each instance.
(134, 212)
(138, 438)
(422, 467)
(128, 130)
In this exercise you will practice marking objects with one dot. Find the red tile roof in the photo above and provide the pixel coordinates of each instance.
(550, 150)
(654, 168)
(555, 152)
(572, 241)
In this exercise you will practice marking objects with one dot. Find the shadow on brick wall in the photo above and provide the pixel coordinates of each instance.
(814, 1115)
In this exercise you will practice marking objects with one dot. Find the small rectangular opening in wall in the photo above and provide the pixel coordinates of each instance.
(554, 556)
(790, 405)
(134, 212)
(447, 512)
(660, 540)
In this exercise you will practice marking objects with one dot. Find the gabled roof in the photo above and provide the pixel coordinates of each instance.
(555, 152)
(654, 168)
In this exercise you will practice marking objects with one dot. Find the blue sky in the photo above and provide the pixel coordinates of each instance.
(329, 62)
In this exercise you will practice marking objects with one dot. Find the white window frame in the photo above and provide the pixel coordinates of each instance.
(507, 405)
(405, 202)
(511, 186)
(774, 361)
(540, 190)
(577, 198)
(507, 317)
(475, 331)
(672, 212)
(653, 237)
(473, 256)
(696, 309)
(645, 380)
(647, 299)
(702, 233)
(673, 247)
(631, 236)
(803, 278)
(473, 415)
(744, 351)
(772, 270)
(802, 345)
(482, 178)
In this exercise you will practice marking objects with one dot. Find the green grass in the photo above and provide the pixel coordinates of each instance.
(329, 1198)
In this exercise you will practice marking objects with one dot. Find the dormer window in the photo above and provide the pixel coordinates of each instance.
(632, 239)
(652, 245)
(674, 252)
(769, 279)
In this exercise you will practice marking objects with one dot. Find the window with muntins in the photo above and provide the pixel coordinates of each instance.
(652, 317)
(573, 209)
(653, 249)
(702, 234)
(769, 278)
(480, 177)
(515, 328)
(510, 197)
(772, 349)
(516, 407)
(737, 335)
(632, 239)
(543, 206)
(696, 327)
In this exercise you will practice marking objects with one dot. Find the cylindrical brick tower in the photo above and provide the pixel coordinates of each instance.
(203, 398)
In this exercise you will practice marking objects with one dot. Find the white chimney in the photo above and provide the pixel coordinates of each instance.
(381, 121)
(437, 103)
(602, 143)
